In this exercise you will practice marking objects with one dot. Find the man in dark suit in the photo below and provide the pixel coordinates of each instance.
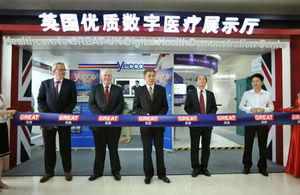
(200, 101)
(57, 95)
(151, 99)
(106, 98)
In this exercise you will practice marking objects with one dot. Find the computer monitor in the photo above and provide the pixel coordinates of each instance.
(179, 89)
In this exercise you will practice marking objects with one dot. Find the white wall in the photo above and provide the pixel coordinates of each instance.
(166, 62)
(222, 83)
(286, 90)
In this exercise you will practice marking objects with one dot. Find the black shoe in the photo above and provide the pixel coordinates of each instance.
(147, 180)
(195, 172)
(264, 173)
(165, 179)
(205, 172)
(117, 176)
(68, 176)
(246, 171)
(46, 177)
(94, 176)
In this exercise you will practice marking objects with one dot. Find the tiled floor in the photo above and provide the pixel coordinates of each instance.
(276, 183)
(182, 139)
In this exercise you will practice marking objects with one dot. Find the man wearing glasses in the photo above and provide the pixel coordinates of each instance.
(57, 95)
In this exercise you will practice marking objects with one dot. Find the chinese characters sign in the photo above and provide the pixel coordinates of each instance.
(131, 22)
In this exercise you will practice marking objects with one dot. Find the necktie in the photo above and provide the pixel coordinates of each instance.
(151, 93)
(106, 94)
(56, 88)
(202, 105)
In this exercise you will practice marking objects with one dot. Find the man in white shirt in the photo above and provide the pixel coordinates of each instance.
(256, 100)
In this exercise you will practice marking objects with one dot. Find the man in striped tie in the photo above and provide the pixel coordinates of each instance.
(200, 101)
(151, 99)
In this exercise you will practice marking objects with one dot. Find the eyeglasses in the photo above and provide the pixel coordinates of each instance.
(61, 70)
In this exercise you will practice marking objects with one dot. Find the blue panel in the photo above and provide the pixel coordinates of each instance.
(82, 136)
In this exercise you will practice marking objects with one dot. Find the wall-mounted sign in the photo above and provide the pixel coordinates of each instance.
(147, 22)
(158, 42)
(196, 60)
(119, 65)
(84, 80)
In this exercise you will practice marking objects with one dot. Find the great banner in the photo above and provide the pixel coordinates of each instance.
(242, 119)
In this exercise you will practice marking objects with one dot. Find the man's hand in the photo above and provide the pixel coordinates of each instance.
(260, 110)
(11, 113)
(257, 110)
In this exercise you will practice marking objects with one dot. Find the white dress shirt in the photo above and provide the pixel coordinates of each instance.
(204, 96)
(105, 86)
(250, 99)
(148, 87)
(59, 84)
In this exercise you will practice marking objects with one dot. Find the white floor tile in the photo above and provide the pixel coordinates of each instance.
(183, 141)
(231, 184)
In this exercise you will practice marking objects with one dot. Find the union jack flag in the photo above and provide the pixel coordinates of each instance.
(20, 100)
(271, 65)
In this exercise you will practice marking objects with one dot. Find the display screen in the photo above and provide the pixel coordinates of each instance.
(179, 89)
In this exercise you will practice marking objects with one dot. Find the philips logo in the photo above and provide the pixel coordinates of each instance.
(130, 66)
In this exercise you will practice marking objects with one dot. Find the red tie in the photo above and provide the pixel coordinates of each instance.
(202, 105)
(106, 94)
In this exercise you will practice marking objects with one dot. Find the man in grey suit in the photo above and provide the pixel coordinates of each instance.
(151, 99)
(106, 98)
(57, 95)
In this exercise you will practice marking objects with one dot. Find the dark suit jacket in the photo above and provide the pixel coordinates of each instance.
(142, 103)
(97, 103)
(66, 101)
(192, 104)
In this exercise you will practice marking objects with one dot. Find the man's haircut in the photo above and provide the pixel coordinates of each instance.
(258, 75)
(105, 70)
(201, 75)
(148, 70)
(55, 65)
